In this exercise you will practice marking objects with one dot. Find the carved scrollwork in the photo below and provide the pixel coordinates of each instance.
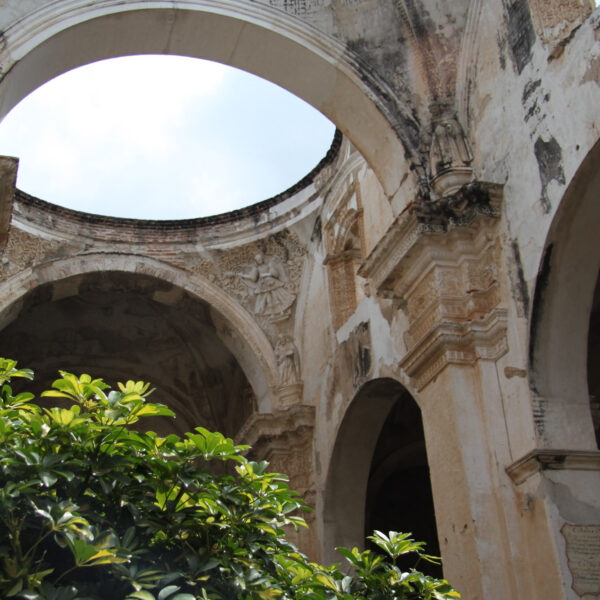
(457, 209)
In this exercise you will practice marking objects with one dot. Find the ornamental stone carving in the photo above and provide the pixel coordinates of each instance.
(265, 278)
(441, 267)
(284, 438)
(266, 287)
(289, 390)
(25, 250)
(450, 156)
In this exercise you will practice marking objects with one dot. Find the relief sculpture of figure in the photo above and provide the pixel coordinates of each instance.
(287, 359)
(266, 281)
(449, 147)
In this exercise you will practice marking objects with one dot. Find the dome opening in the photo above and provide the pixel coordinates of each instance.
(162, 137)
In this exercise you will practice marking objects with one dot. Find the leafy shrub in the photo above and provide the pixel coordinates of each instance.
(92, 508)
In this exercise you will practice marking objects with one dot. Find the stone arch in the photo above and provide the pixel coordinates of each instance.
(564, 295)
(240, 333)
(250, 36)
(359, 463)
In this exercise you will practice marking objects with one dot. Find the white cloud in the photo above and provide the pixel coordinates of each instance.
(161, 137)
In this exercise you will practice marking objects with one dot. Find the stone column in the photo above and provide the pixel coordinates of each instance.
(284, 438)
(441, 263)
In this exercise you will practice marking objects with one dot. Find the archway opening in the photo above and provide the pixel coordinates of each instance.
(564, 322)
(399, 496)
(250, 36)
(378, 476)
(121, 326)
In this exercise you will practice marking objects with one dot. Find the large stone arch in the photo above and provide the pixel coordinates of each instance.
(237, 329)
(359, 462)
(248, 35)
(564, 294)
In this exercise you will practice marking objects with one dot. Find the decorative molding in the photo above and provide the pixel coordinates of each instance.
(285, 438)
(440, 263)
(270, 425)
(463, 213)
(456, 343)
(542, 459)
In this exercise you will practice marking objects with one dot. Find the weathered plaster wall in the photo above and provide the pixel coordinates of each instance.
(409, 264)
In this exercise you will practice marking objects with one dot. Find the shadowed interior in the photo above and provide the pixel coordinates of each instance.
(118, 326)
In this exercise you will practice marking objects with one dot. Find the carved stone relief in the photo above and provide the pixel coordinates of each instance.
(583, 556)
(449, 147)
(25, 250)
(289, 390)
(299, 7)
(285, 439)
(264, 277)
(264, 286)
(440, 265)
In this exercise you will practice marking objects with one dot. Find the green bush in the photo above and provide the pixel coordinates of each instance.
(92, 508)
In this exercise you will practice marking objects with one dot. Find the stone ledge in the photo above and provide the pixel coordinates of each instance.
(542, 459)
(456, 343)
(272, 425)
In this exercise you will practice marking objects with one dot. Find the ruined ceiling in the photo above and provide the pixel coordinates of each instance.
(118, 327)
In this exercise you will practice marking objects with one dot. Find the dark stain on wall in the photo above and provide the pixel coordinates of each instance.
(541, 286)
(549, 158)
(521, 34)
(519, 284)
(317, 232)
(373, 66)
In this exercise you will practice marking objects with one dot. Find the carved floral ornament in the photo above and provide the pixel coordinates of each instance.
(440, 262)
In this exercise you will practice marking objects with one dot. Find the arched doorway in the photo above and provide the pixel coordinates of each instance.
(562, 317)
(121, 326)
(399, 496)
(237, 330)
(378, 476)
(249, 36)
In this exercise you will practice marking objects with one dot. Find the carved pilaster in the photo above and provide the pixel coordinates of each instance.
(8, 180)
(341, 270)
(285, 439)
(439, 261)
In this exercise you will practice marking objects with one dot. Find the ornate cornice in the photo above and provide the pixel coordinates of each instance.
(440, 262)
(542, 459)
(459, 214)
(263, 426)
(462, 343)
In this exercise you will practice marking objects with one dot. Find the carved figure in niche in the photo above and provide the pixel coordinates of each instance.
(266, 282)
(287, 360)
(449, 147)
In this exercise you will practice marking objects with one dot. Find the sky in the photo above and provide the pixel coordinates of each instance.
(161, 137)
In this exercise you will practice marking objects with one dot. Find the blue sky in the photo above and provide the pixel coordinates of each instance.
(161, 137)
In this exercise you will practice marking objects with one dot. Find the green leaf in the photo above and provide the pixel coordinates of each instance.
(167, 591)
(140, 595)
